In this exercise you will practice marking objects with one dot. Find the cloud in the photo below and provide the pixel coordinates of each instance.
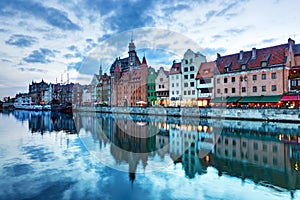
(50, 15)
(123, 15)
(214, 51)
(22, 69)
(236, 30)
(40, 56)
(268, 40)
(20, 40)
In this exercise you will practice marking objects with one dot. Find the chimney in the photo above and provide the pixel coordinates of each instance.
(241, 55)
(291, 43)
(253, 53)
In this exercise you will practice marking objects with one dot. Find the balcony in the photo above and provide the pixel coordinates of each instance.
(204, 95)
(204, 85)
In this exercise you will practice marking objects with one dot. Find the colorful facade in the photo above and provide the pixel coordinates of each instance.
(151, 92)
(175, 84)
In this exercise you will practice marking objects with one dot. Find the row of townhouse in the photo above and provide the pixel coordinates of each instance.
(260, 77)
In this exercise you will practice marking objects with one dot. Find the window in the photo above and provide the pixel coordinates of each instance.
(186, 61)
(255, 146)
(218, 91)
(159, 86)
(232, 79)
(173, 92)
(254, 89)
(243, 67)
(163, 86)
(226, 141)
(161, 79)
(192, 68)
(254, 77)
(193, 92)
(233, 142)
(225, 90)
(274, 88)
(177, 92)
(232, 90)
(189, 92)
(218, 80)
(172, 77)
(243, 89)
(186, 85)
(177, 77)
(186, 69)
(184, 92)
(275, 149)
(263, 76)
(263, 88)
(192, 76)
(264, 63)
(225, 80)
(177, 84)
(265, 147)
(273, 75)
(172, 84)
(186, 76)
(244, 144)
(192, 84)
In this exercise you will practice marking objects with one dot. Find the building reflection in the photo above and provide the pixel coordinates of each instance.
(46, 121)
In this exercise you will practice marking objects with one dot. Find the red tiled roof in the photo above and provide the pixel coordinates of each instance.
(206, 70)
(273, 55)
(175, 69)
(117, 69)
(144, 62)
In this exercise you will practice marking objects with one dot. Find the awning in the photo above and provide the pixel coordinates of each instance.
(290, 98)
(225, 100)
(233, 99)
(218, 100)
(261, 99)
(271, 99)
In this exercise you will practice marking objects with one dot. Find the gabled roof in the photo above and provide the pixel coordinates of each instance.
(176, 68)
(272, 55)
(117, 69)
(144, 62)
(206, 70)
(297, 49)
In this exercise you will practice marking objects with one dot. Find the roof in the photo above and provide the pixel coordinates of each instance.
(117, 68)
(206, 70)
(176, 68)
(297, 49)
(144, 62)
(272, 55)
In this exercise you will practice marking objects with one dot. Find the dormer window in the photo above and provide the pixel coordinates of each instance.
(227, 69)
(243, 66)
(264, 63)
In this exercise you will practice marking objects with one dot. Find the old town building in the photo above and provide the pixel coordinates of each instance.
(205, 83)
(189, 67)
(129, 80)
(175, 84)
(37, 91)
(151, 93)
(259, 76)
(162, 87)
(101, 83)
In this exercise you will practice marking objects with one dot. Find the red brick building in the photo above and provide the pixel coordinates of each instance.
(129, 80)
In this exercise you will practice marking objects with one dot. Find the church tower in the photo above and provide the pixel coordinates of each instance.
(133, 60)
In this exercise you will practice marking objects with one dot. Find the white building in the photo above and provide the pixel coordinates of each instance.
(205, 83)
(175, 84)
(189, 67)
(162, 87)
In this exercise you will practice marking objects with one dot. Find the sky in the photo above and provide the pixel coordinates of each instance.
(52, 39)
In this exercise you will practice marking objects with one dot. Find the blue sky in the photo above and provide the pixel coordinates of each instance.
(44, 39)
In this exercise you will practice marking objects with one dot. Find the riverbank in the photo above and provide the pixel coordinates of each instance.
(261, 114)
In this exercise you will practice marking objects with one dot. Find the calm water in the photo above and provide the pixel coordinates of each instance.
(46, 155)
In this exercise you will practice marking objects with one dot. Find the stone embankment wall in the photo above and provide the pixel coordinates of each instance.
(262, 114)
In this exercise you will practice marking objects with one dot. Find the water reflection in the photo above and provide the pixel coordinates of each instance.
(264, 152)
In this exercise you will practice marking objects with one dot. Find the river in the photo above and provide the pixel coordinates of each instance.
(84, 155)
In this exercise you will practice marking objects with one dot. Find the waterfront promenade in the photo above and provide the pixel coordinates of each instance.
(257, 114)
